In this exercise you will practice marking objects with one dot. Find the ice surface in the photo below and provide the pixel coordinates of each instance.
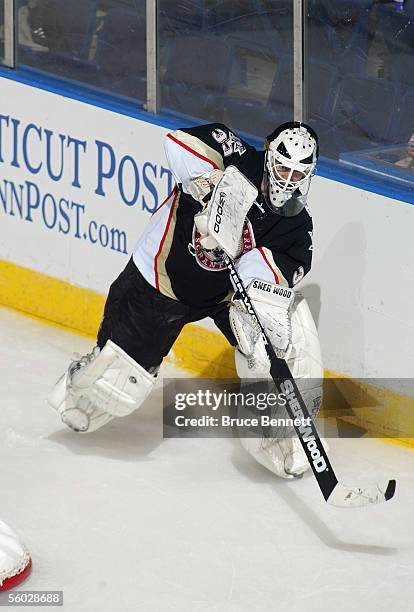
(122, 520)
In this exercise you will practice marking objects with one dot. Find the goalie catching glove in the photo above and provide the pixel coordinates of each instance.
(272, 304)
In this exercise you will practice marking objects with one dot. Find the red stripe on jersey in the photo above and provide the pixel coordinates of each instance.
(267, 261)
(175, 189)
(192, 151)
(162, 242)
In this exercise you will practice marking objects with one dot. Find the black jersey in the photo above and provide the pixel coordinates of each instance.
(276, 248)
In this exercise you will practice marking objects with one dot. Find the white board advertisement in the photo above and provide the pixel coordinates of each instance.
(77, 184)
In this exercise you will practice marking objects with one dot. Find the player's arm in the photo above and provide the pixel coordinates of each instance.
(197, 156)
(282, 267)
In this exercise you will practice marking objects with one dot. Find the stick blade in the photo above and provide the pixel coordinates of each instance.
(351, 497)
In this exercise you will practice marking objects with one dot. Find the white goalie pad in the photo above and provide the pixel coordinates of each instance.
(15, 561)
(282, 453)
(232, 198)
(111, 384)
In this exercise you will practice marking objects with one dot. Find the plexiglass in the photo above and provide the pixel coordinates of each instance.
(101, 43)
(228, 61)
(360, 77)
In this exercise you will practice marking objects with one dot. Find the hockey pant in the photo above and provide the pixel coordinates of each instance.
(145, 323)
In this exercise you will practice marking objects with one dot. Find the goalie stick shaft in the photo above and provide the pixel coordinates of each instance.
(324, 473)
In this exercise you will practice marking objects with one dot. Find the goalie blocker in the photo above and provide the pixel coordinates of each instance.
(222, 219)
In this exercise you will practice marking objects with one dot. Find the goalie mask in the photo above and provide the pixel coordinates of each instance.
(290, 160)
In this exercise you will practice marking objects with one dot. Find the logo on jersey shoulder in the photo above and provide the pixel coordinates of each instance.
(229, 142)
(208, 260)
(298, 275)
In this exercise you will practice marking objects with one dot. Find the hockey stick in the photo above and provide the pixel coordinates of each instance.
(334, 492)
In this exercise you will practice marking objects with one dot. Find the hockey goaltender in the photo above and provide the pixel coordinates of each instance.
(176, 275)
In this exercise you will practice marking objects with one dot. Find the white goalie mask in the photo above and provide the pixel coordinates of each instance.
(290, 161)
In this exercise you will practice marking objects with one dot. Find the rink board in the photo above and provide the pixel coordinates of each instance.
(78, 183)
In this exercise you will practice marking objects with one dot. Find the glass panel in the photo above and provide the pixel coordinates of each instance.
(98, 42)
(360, 83)
(1, 30)
(229, 61)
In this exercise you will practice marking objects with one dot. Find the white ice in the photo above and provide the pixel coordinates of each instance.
(123, 520)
